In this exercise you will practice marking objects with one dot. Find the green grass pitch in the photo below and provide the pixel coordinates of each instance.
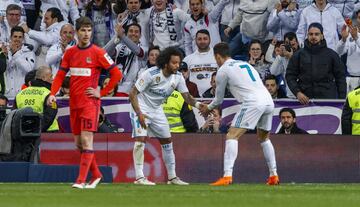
(259, 195)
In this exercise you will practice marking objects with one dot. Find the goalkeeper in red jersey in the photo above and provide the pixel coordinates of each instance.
(85, 62)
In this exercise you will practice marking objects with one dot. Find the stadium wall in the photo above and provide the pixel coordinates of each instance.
(199, 157)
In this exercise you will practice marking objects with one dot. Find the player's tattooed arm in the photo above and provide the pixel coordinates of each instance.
(191, 100)
(135, 104)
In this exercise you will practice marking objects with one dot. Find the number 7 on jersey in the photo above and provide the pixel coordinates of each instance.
(249, 71)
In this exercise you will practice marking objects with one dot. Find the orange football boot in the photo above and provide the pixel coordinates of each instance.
(273, 180)
(223, 181)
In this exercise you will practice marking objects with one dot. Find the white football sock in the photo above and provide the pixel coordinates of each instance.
(230, 155)
(269, 154)
(138, 156)
(169, 159)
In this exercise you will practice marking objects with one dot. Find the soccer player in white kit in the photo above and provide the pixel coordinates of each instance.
(147, 117)
(256, 110)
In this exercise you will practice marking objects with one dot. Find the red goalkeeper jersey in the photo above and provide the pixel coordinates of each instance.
(85, 65)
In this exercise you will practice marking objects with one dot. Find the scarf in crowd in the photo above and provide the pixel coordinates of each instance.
(170, 23)
(124, 60)
(107, 14)
(129, 18)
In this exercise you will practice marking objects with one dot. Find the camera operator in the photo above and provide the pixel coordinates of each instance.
(3, 107)
(278, 67)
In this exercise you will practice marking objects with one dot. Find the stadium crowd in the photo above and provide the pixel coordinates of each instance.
(302, 49)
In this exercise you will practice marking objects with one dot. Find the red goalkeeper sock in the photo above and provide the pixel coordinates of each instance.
(85, 162)
(95, 169)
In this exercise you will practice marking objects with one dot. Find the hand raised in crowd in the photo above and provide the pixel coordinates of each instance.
(278, 8)
(25, 28)
(287, 54)
(353, 32)
(273, 41)
(119, 30)
(227, 31)
(121, 16)
(4, 49)
(344, 33)
(92, 92)
(204, 110)
(303, 99)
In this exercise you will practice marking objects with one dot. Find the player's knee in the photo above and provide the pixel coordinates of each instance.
(164, 141)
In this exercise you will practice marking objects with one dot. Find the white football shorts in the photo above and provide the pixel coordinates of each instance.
(251, 116)
(156, 122)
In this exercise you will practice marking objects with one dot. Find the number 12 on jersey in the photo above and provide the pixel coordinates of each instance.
(249, 71)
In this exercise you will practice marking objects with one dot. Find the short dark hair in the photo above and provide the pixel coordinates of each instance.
(56, 13)
(290, 36)
(357, 12)
(270, 77)
(203, 31)
(29, 77)
(154, 47)
(130, 25)
(222, 49)
(213, 74)
(16, 29)
(12, 7)
(83, 22)
(165, 56)
(290, 110)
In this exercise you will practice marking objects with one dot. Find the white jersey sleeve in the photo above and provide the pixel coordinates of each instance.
(143, 81)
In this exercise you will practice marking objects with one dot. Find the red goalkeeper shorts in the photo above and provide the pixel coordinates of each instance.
(84, 119)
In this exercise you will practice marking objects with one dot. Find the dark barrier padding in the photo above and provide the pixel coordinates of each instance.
(14, 171)
(62, 173)
(199, 157)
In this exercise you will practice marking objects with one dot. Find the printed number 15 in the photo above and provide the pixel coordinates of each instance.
(249, 71)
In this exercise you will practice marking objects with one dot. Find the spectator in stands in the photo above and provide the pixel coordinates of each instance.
(193, 90)
(133, 14)
(345, 7)
(304, 3)
(200, 20)
(103, 19)
(56, 51)
(68, 8)
(65, 87)
(112, 92)
(12, 19)
(273, 50)
(257, 59)
(20, 60)
(28, 78)
(3, 101)
(227, 15)
(202, 63)
(105, 126)
(179, 114)
(53, 20)
(129, 55)
(2, 67)
(288, 122)
(213, 123)
(273, 87)
(278, 67)
(350, 117)
(283, 19)
(329, 17)
(164, 24)
(316, 71)
(210, 93)
(5, 3)
(32, 9)
(350, 45)
(252, 17)
(153, 53)
(36, 95)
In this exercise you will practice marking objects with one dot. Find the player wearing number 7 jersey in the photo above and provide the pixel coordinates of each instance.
(85, 61)
(256, 110)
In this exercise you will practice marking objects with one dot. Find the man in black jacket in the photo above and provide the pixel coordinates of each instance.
(288, 121)
(316, 71)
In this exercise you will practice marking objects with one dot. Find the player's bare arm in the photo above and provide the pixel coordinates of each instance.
(135, 104)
